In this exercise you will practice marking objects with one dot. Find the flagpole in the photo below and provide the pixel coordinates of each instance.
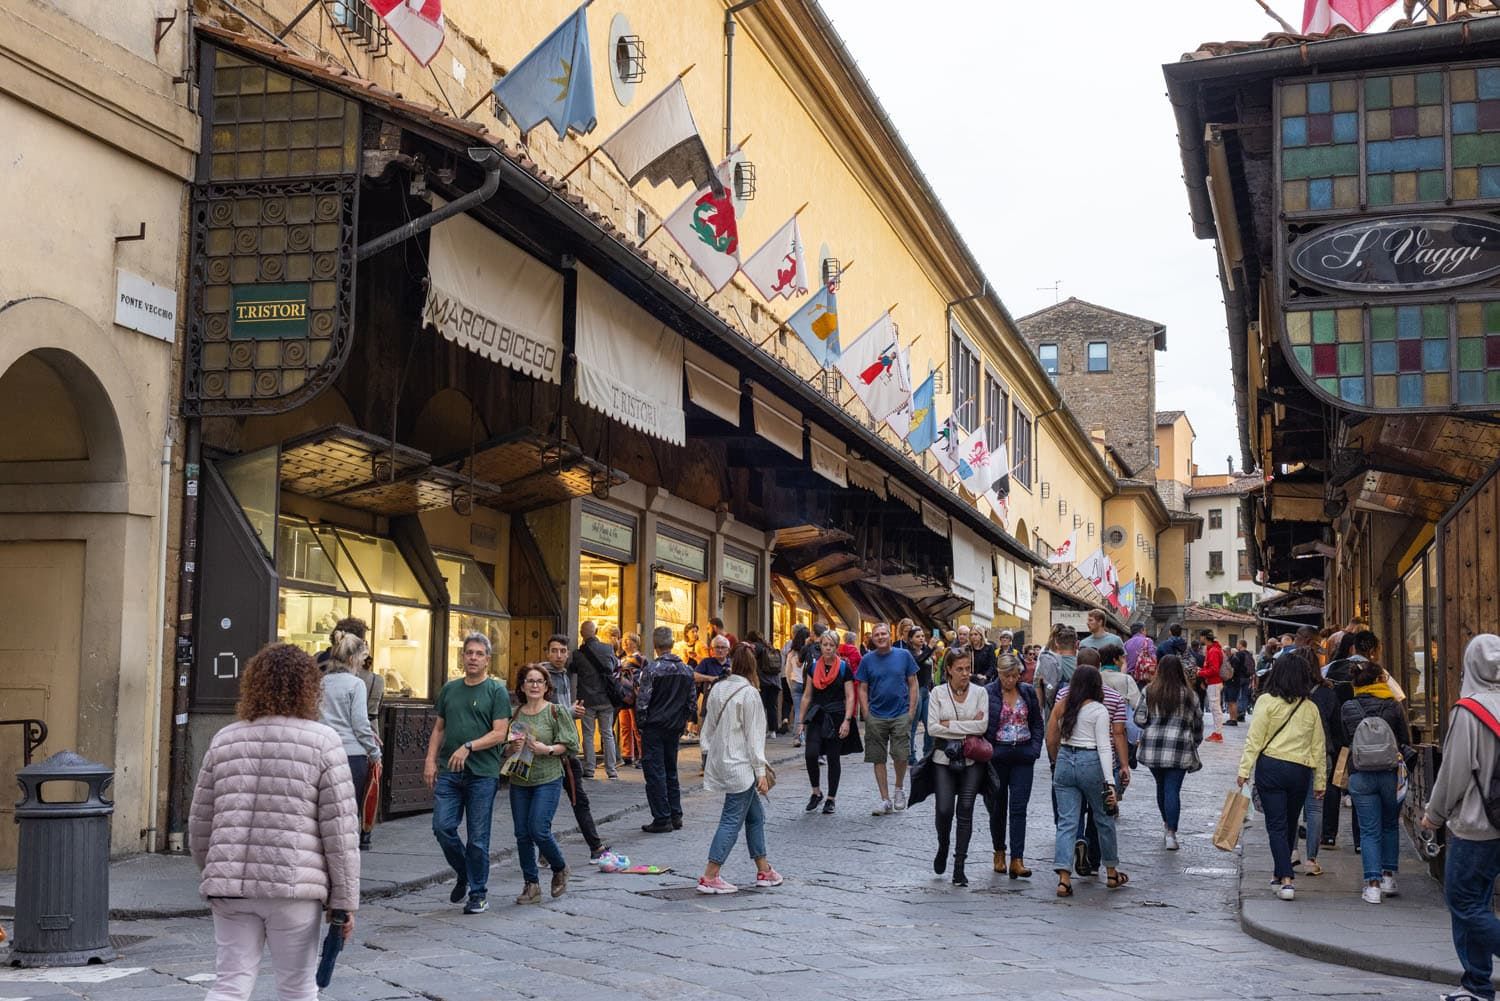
(475, 106)
(574, 169)
(799, 211)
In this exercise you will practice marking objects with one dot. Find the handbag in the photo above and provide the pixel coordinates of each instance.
(607, 681)
(1341, 770)
(977, 749)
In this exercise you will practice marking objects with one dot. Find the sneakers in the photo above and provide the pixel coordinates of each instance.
(900, 800)
(828, 805)
(460, 890)
(531, 893)
(599, 856)
(812, 802)
(1460, 995)
(477, 904)
(716, 885)
(1216, 738)
(364, 841)
(1286, 891)
(1371, 893)
(1170, 841)
(881, 809)
(767, 878)
(559, 882)
(1388, 884)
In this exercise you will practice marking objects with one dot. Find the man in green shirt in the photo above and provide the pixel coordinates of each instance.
(473, 720)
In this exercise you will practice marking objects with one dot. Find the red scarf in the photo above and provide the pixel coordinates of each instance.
(825, 674)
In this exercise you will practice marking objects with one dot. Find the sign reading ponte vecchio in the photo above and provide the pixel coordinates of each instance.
(1401, 254)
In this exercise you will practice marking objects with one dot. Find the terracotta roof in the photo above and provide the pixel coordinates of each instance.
(1166, 418)
(1237, 487)
(1212, 613)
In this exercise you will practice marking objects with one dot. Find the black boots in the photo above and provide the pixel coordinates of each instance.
(940, 862)
(959, 879)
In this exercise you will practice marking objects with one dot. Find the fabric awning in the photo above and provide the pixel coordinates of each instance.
(1023, 590)
(867, 475)
(776, 421)
(828, 455)
(934, 518)
(712, 384)
(1005, 587)
(973, 572)
(488, 295)
(629, 364)
(904, 494)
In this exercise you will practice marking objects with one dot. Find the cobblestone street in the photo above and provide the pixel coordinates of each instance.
(861, 916)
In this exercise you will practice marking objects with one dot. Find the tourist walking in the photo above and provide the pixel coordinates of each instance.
(1016, 733)
(826, 720)
(463, 769)
(1284, 750)
(1055, 665)
(578, 797)
(546, 730)
(1237, 686)
(957, 711)
(590, 669)
(1471, 749)
(664, 697)
(1323, 697)
(1379, 738)
(793, 657)
(1173, 729)
(768, 670)
(982, 653)
(1213, 681)
(1098, 635)
(922, 653)
(369, 806)
(887, 694)
(1087, 852)
(734, 763)
(272, 881)
(345, 706)
(1080, 744)
(626, 675)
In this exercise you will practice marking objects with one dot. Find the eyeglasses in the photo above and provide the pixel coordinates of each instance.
(536, 681)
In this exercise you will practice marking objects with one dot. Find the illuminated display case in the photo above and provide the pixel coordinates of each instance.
(473, 608)
(601, 586)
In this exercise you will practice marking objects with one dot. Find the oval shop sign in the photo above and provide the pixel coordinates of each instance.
(1402, 254)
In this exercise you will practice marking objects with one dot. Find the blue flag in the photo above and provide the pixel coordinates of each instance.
(817, 323)
(554, 82)
(923, 418)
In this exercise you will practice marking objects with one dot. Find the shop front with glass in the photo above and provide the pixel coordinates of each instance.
(1412, 648)
(680, 573)
(739, 570)
(606, 567)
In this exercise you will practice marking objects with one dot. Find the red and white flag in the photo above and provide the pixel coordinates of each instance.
(418, 23)
(777, 269)
(1067, 552)
(705, 227)
(1320, 16)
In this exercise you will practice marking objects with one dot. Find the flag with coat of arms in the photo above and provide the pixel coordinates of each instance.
(945, 445)
(417, 23)
(777, 269)
(921, 417)
(1067, 552)
(705, 227)
(1320, 16)
(875, 370)
(554, 82)
(817, 325)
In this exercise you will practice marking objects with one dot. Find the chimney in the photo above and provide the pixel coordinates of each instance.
(1230, 460)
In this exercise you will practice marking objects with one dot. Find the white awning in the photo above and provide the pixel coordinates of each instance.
(828, 455)
(1023, 591)
(1005, 587)
(974, 572)
(629, 364)
(776, 421)
(867, 475)
(712, 384)
(490, 296)
(934, 518)
(904, 495)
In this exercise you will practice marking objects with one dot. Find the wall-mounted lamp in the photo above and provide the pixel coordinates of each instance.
(1091, 529)
(832, 269)
(1062, 506)
(1078, 520)
(744, 180)
(1046, 490)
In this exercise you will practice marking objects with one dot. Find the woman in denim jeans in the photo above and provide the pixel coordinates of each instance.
(1078, 741)
(1169, 745)
(1374, 790)
(547, 731)
(733, 738)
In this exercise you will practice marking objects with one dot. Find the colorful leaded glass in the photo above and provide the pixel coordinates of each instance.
(1320, 145)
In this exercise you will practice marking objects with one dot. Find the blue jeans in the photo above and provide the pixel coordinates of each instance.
(1169, 794)
(741, 809)
(1282, 786)
(659, 762)
(1375, 808)
(924, 695)
(1079, 782)
(1312, 812)
(1468, 886)
(473, 797)
(532, 809)
(796, 689)
(1008, 802)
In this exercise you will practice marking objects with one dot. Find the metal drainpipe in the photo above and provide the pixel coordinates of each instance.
(479, 154)
(187, 591)
(729, 71)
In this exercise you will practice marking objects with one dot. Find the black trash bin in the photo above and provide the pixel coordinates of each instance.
(62, 870)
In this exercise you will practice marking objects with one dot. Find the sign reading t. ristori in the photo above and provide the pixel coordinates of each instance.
(1401, 254)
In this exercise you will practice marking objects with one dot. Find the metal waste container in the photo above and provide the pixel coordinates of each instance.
(62, 870)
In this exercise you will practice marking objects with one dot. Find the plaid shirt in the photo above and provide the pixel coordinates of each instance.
(1171, 741)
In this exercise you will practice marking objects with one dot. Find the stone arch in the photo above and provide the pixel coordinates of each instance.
(447, 424)
(1165, 596)
(1022, 535)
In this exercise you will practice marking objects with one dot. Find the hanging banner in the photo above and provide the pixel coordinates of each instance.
(629, 364)
(828, 456)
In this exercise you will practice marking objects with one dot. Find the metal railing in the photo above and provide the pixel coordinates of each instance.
(33, 735)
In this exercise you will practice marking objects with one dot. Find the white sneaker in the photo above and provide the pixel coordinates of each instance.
(1371, 894)
(1286, 891)
(1171, 842)
(881, 808)
(900, 799)
(1388, 885)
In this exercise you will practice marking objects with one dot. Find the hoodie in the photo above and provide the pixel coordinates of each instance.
(1456, 799)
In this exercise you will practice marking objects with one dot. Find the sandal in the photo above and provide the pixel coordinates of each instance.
(1064, 888)
(1313, 869)
(1117, 880)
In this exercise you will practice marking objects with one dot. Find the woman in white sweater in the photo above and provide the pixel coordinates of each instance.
(955, 711)
(733, 738)
(1078, 741)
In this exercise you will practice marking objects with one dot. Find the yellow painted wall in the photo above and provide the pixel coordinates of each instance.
(1133, 515)
(1171, 565)
(1176, 445)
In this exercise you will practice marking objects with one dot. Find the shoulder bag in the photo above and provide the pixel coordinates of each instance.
(769, 771)
(607, 681)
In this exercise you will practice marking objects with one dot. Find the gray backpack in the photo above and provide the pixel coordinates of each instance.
(1373, 748)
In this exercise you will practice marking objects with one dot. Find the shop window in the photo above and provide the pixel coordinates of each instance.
(601, 584)
(1215, 517)
(676, 603)
(1416, 653)
(1098, 356)
(473, 608)
(252, 479)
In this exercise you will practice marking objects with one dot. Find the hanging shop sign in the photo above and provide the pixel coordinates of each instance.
(265, 312)
(606, 534)
(680, 554)
(739, 572)
(1402, 254)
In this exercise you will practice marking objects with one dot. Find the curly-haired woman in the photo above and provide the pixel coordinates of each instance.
(273, 827)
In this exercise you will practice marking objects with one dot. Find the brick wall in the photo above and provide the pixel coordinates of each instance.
(1121, 400)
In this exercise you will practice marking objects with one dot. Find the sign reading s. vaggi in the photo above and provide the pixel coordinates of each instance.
(1401, 254)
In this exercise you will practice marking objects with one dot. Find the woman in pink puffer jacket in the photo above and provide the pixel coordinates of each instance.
(273, 827)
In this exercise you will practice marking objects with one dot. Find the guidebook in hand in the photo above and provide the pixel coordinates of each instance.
(520, 756)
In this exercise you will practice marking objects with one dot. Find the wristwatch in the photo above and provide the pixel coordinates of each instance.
(469, 746)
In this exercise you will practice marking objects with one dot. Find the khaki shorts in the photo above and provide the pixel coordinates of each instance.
(887, 738)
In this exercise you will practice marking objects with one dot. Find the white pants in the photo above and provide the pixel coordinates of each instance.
(1216, 706)
(242, 929)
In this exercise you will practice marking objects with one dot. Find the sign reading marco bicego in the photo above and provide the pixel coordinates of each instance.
(268, 312)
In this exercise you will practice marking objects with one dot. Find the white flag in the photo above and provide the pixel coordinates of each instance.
(1095, 569)
(900, 418)
(417, 23)
(873, 366)
(945, 446)
(974, 462)
(1067, 552)
(661, 143)
(777, 269)
(706, 229)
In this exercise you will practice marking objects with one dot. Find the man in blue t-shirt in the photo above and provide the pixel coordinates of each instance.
(887, 692)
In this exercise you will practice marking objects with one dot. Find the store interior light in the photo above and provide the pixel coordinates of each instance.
(597, 601)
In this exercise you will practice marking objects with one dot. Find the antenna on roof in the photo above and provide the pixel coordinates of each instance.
(1055, 289)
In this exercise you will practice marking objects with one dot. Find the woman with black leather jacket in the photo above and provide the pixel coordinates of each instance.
(1016, 730)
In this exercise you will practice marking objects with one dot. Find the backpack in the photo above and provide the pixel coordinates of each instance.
(1373, 746)
(1489, 795)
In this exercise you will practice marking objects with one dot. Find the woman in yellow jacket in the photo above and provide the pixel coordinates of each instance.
(1285, 750)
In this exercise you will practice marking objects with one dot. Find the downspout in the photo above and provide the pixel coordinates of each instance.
(158, 665)
(187, 595)
(479, 154)
(729, 71)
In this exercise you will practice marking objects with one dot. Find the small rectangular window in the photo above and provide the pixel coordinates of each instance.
(1020, 449)
(1215, 517)
(1216, 562)
(963, 363)
(1156, 456)
(1244, 568)
(1047, 354)
(1098, 356)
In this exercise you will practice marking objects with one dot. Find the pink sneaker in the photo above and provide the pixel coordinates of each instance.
(716, 885)
(768, 878)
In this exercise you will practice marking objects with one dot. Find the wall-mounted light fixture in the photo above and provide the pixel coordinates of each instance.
(1062, 506)
(1078, 520)
(744, 180)
(1091, 529)
(832, 269)
(1046, 490)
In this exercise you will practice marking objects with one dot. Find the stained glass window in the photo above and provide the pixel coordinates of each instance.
(1320, 145)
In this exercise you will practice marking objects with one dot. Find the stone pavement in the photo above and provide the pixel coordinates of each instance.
(861, 917)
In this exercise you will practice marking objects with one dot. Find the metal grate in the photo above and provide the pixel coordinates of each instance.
(126, 941)
(357, 21)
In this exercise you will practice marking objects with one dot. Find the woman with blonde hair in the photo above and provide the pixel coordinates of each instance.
(346, 708)
(274, 829)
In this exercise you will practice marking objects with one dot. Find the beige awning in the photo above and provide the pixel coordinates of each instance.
(1023, 590)
(776, 421)
(973, 573)
(491, 297)
(712, 384)
(867, 475)
(1005, 587)
(828, 456)
(934, 518)
(903, 494)
(629, 364)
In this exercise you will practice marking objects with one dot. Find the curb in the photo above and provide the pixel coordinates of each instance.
(416, 882)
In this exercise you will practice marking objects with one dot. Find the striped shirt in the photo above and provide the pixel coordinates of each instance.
(1113, 701)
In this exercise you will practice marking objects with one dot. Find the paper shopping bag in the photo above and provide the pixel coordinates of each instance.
(1341, 769)
(1231, 820)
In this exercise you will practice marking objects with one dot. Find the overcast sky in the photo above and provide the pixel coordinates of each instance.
(1046, 130)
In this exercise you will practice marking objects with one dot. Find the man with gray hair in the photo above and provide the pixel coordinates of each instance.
(664, 695)
(589, 669)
